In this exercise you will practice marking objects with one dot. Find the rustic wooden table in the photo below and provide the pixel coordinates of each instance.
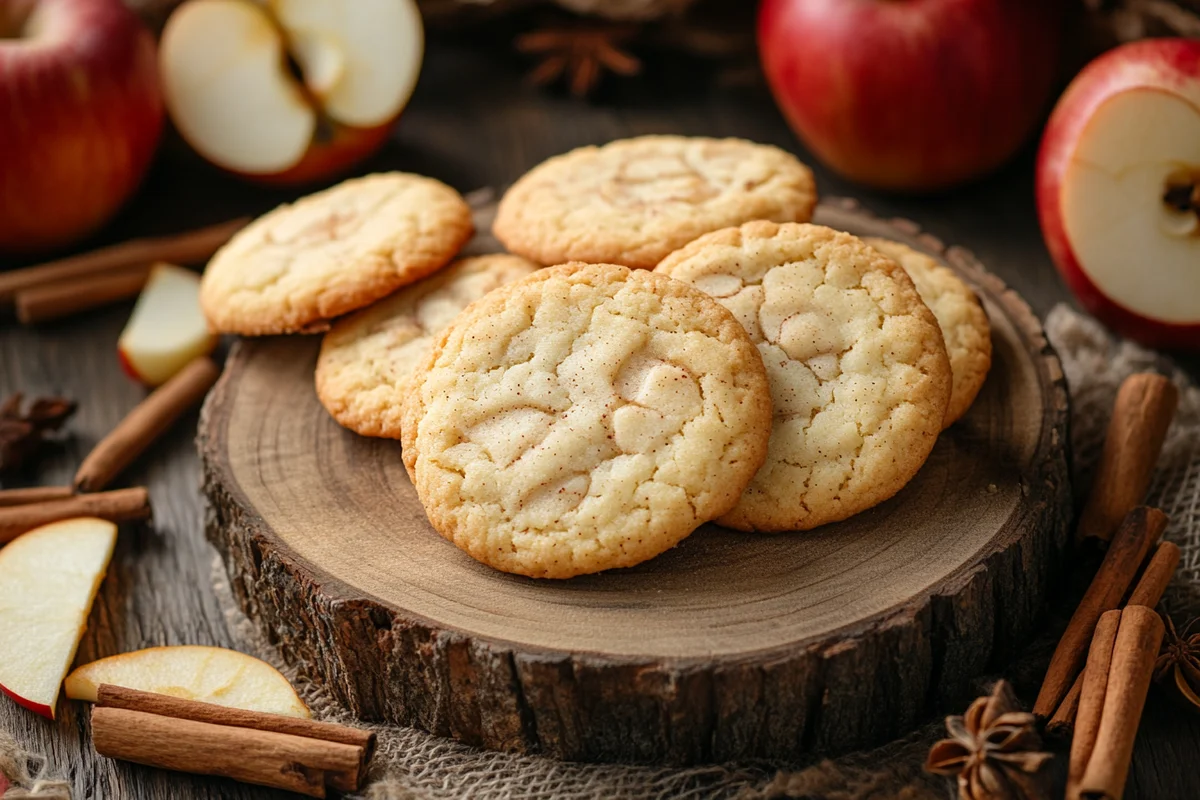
(472, 123)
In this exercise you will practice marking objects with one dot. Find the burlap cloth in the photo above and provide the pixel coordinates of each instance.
(26, 774)
(413, 765)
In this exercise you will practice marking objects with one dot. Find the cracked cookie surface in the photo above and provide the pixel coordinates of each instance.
(960, 315)
(367, 359)
(583, 418)
(859, 376)
(302, 264)
(634, 201)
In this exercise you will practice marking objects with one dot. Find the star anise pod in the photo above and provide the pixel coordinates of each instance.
(994, 749)
(1179, 659)
(581, 55)
(22, 434)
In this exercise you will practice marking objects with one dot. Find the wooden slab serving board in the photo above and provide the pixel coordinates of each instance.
(730, 646)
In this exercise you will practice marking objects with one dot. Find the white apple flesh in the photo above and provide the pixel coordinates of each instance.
(356, 57)
(1114, 209)
(1119, 190)
(227, 88)
(167, 330)
(48, 580)
(192, 672)
(289, 90)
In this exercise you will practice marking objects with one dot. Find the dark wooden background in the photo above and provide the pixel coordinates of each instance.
(472, 123)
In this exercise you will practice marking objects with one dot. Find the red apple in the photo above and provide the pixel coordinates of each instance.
(80, 117)
(1118, 190)
(48, 580)
(912, 95)
(289, 91)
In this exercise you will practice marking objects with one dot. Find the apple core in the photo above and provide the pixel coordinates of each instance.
(1182, 196)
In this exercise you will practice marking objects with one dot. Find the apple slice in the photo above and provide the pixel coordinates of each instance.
(289, 90)
(206, 674)
(48, 579)
(167, 330)
(1119, 190)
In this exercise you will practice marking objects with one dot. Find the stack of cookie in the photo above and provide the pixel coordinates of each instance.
(700, 352)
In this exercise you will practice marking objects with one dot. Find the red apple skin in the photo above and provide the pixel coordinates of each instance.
(80, 118)
(37, 708)
(344, 150)
(1166, 64)
(911, 95)
(127, 367)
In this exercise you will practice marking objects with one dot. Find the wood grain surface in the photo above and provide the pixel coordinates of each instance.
(730, 646)
(472, 123)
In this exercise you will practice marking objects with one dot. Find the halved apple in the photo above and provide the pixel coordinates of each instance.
(167, 330)
(289, 91)
(193, 672)
(48, 580)
(1118, 190)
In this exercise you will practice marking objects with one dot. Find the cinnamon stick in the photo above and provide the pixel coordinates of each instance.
(1135, 649)
(122, 505)
(1064, 717)
(191, 247)
(51, 301)
(263, 758)
(1148, 591)
(1137, 534)
(1143, 411)
(108, 696)
(145, 423)
(1157, 576)
(34, 494)
(1094, 683)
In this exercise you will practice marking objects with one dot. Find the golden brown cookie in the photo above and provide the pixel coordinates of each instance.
(299, 266)
(634, 201)
(859, 375)
(960, 315)
(367, 358)
(584, 418)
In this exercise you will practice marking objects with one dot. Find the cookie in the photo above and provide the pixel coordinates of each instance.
(858, 369)
(634, 201)
(367, 358)
(963, 321)
(333, 252)
(584, 418)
